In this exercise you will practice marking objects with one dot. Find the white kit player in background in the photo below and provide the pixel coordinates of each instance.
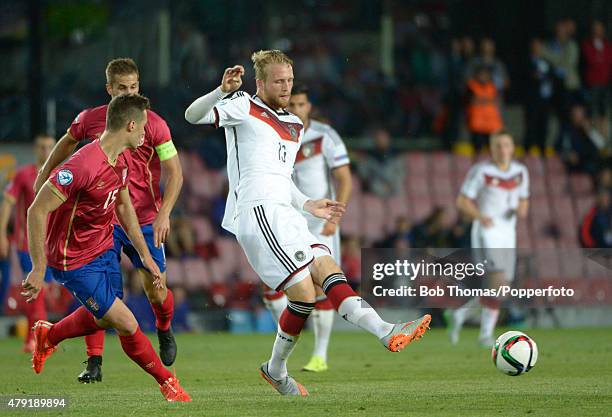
(494, 194)
(321, 170)
(265, 210)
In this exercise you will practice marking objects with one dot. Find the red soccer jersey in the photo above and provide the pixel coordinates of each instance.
(146, 169)
(81, 229)
(21, 192)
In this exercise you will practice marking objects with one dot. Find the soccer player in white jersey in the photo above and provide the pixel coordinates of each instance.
(321, 160)
(494, 194)
(265, 211)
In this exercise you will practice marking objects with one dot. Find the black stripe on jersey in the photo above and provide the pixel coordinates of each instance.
(234, 94)
(236, 146)
(273, 241)
(278, 255)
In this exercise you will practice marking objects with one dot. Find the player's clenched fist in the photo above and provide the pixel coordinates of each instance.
(232, 79)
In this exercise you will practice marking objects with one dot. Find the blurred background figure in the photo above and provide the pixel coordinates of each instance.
(597, 55)
(381, 170)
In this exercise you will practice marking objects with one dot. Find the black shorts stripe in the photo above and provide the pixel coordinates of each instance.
(287, 266)
(273, 238)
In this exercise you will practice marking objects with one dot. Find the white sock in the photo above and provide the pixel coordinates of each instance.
(461, 314)
(355, 310)
(487, 322)
(283, 346)
(322, 322)
(276, 306)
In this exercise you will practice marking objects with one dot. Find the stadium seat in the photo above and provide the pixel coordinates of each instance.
(420, 207)
(583, 205)
(441, 163)
(417, 185)
(374, 211)
(554, 166)
(351, 221)
(175, 273)
(396, 207)
(537, 184)
(462, 165)
(203, 229)
(416, 163)
(197, 274)
(557, 184)
(581, 184)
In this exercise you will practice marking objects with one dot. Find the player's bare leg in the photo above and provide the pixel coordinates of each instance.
(275, 301)
(301, 298)
(352, 308)
(133, 341)
(162, 302)
(322, 319)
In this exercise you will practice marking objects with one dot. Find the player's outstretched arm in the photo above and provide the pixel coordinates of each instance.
(61, 151)
(201, 110)
(173, 172)
(128, 219)
(46, 202)
(5, 214)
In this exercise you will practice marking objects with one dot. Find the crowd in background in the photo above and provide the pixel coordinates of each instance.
(454, 88)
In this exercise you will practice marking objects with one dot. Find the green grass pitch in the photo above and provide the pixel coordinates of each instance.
(573, 377)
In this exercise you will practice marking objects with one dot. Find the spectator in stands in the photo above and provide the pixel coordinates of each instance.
(596, 228)
(538, 98)
(381, 170)
(460, 233)
(483, 108)
(401, 237)
(597, 55)
(580, 144)
(564, 54)
(487, 59)
(454, 92)
(432, 232)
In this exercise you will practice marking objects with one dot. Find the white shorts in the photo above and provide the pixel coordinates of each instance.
(498, 244)
(278, 244)
(315, 225)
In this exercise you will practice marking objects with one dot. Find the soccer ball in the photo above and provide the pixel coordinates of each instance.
(515, 353)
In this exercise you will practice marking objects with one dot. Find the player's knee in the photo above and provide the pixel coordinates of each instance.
(126, 325)
(156, 295)
(322, 267)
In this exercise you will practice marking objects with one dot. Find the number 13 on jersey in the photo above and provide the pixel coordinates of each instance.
(282, 152)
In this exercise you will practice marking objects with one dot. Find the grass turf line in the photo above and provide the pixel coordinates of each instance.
(573, 376)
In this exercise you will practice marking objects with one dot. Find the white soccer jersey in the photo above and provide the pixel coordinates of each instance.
(497, 192)
(262, 144)
(321, 151)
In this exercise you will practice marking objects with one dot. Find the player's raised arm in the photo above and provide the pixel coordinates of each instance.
(201, 110)
(62, 150)
(46, 202)
(128, 219)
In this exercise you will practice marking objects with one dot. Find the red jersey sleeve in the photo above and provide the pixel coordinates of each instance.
(77, 128)
(71, 177)
(13, 189)
(160, 132)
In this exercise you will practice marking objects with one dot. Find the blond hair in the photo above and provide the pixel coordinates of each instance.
(120, 66)
(261, 59)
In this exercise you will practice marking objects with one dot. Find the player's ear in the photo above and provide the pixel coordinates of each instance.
(131, 126)
(260, 84)
(109, 89)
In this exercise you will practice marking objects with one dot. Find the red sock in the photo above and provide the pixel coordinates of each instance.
(164, 312)
(139, 349)
(294, 317)
(324, 305)
(95, 343)
(35, 311)
(80, 323)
